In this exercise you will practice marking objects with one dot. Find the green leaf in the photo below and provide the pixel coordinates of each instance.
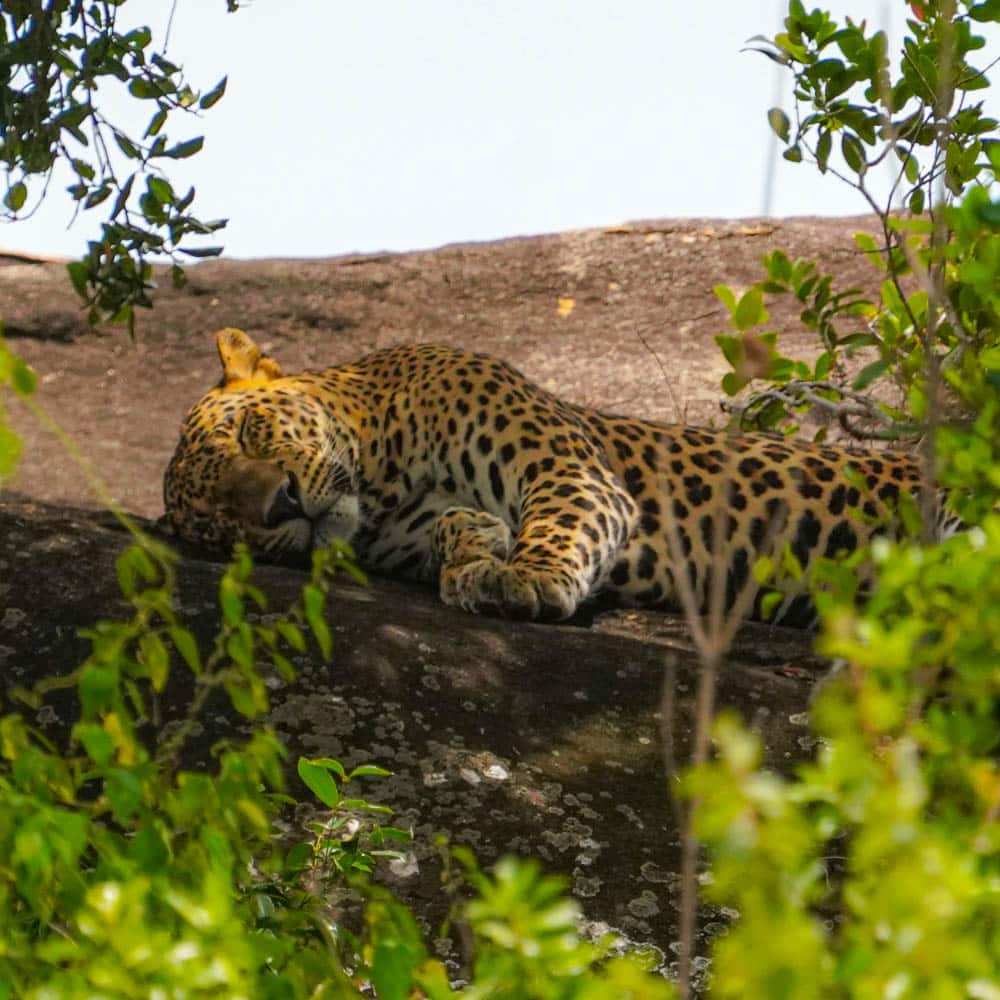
(731, 347)
(854, 153)
(184, 149)
(989, 212)
(373, 770)
(793, 154)
(156, 123)
(239, 646)
(725, 295)
(96, 741)
(201, 251)
(160, 189)
(823, 147)
(292, 635)
(214, 95)
(150, 850)
(123, 196)
(231, 601)
(732, 383)
(297, 858)
(155, 658)
(16, 196)
(392, 969)
(867, 243)
(128, 147)
(985, 12)
(319, 781)
(145, 90)
(186, 644)
(98, 688)
(750, 310)
(314, 603)
(22, 378)
(241, 696)
(97, 196)
(284, 666)
(10, 451)
(779, 123)
(869, 374)
(124, 791)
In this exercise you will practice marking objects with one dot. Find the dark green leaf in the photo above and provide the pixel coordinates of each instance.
(214, 95)
(97, 196)
(78, 275)
(122, 199)
(156, 123)
(823, 147)
(985, 12)
(144, 90)
(22, 378)
(201, 251)
(853, 152)
(126, 145)
(989, 212)
(185, 149)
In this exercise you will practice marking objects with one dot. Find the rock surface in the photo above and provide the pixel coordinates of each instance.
(507, 737)
(539, 739)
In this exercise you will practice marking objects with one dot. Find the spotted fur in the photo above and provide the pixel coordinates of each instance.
(439, 464)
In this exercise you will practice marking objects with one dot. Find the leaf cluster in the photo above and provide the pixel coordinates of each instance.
(55, 59)
(934, 330)
(874, 869)
(121, 873)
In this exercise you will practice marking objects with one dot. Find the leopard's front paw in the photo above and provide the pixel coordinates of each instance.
(490, 585)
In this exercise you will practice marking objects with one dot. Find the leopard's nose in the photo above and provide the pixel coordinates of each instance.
(287, 503)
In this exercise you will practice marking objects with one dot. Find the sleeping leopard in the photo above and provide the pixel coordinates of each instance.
(442, 465)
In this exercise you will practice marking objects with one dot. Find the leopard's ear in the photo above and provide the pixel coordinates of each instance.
(242, 361)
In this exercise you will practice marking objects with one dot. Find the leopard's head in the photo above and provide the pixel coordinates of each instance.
(261, 459)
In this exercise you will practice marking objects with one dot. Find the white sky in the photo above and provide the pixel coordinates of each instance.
(396, 124)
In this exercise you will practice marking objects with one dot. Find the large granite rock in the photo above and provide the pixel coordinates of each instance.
(505, 736)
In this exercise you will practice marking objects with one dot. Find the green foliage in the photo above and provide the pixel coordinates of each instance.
(526, 946)
(56, 63)
(124, 875)
(876, 870)
(121, 874)
(937, 319)
(16, 375)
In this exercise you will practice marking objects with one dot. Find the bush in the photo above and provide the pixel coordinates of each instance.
(875, 870)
